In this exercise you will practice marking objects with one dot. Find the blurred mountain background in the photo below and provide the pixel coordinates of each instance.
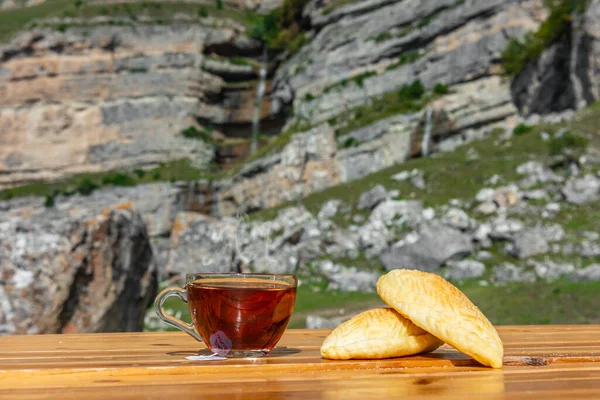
(142, 140)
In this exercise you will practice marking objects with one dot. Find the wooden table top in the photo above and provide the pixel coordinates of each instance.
(549, 362)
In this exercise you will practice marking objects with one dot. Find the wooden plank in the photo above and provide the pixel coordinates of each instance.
(549, 361)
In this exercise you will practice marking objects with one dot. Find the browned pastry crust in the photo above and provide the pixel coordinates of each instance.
(377, 333)
(434, 304)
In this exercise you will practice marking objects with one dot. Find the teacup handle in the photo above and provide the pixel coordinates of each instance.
(169, 319)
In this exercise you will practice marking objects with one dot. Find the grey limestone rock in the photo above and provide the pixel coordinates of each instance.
(318, 322)
(528, 243)
(590, 273)
(96, 268)
(508, 272)
(548, 269)
(371, 198)
(200, 244)
(581, 190)
(463, 269)
(436, 244)
(329, 209)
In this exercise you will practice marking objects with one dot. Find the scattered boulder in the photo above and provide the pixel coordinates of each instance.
(581, 190)
(346, 240)
(285, 261)
(537, 194)
(436, 244)
(485, 195)
(404, 175)
(487, 208)
(458, 219)
(528, 243)
(551, 270)
(353, 280)
(318, 322)
(96, 270)
(371, 198)
(552, 232)
(536, 173)
(418, 181)
(428, 214)
(591, 235)
(385, 212)
(329, 209)
(347, 279)
(374, 237)
(481, 235)
(464, 269)
(589, 249)
(590, 273)
(507, 272)
(506, 197)
(200, 244)
(505, 229)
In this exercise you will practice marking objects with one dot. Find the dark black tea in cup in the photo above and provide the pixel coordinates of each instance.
(236, 315)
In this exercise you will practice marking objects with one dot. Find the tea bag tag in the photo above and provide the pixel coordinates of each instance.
(211, 357)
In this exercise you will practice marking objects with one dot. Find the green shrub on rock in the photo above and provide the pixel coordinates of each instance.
(519, 53)
(522, 129)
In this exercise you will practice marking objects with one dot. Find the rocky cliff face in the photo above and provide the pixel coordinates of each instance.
(74, 272)
(566, 75)
(448, 42)
(109, 97)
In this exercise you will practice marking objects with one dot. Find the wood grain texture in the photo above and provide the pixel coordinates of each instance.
(553, 362)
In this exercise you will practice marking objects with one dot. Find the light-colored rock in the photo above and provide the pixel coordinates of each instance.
(428, 214)
(505, 229)
(528, 243)
(353, 280)
(589, 235)
(589, 249)
(405, 175)
(329, 209)
(507, 272)
(75, 274)
(590, 273)
(581, 190)
(464, 269)
(285, 261)
(485, 195)
(551, 270)
(551, 233)
(536, 173)
(371, 198)
(487, 208)
(385, 212)
(482, 235)
(100, 110)
(458, 219)
(506, 197)
(318, 322)
(436, 245)
(419, 181)
(369, 157)
(305, 165)
(374, 236)
(537, 194)
(199, 244)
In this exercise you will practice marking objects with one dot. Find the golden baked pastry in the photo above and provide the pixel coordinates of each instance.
(434, 304)
(377, 333)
